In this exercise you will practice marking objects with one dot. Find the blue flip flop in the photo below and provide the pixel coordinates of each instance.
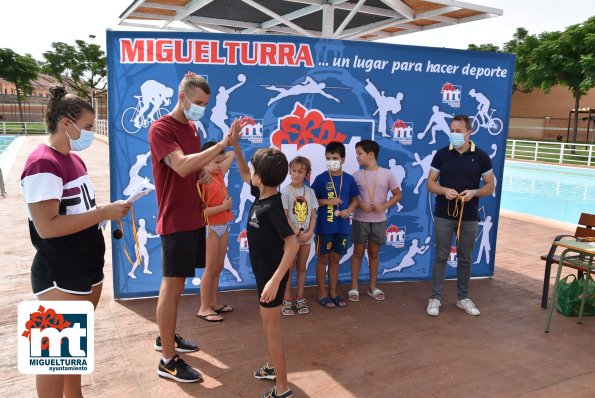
(327, 302)
(339, 301)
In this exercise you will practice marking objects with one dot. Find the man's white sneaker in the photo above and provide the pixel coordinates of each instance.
(468, 306)
(433, 307)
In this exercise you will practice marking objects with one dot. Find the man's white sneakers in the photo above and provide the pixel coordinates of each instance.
(433, 307)
(468, 306)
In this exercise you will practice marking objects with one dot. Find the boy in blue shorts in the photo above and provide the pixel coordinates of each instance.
(273, 248)
(337, 194)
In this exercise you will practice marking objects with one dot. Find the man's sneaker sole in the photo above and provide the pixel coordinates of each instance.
(168, 375)
(273, 377)
(159, 348)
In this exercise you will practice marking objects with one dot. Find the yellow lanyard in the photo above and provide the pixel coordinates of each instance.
(373, 193)
(335, 188)
(457, 211)
(135, 237)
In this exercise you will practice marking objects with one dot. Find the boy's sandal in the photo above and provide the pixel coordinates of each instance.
(377, 294)
(339, 301)
(353, 295)
(224, 308)
(301, 306)
(326, 302)
(286, 308)
(214, 317)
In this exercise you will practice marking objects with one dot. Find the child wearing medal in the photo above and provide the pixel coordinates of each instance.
(337, 194)
(369, 219)
(300, 204)
(217, 215)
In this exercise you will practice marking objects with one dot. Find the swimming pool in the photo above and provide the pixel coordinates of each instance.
(5, 141)
(556, 192)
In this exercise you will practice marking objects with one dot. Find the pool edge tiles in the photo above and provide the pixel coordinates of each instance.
(560, 168)
(548, 222)
(8, 156)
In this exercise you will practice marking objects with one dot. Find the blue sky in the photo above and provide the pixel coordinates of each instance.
(31, 26)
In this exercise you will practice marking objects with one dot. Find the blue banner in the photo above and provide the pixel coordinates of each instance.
(303, 93)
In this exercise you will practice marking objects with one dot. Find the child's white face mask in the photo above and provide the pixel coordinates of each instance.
(333, 165)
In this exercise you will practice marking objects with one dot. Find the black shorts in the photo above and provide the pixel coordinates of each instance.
(182, 252)
(260, 284)
(43, 279)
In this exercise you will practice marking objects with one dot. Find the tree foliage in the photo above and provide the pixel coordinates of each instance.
(82, 67)
(21, 70)
(556, 58)
(484, 47)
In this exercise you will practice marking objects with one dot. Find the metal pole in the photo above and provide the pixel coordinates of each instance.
(513, 149)
(2, 188)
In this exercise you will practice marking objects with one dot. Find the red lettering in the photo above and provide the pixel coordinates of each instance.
(163, 50)
(232, 51)
(150, 47)
(132, 52)
(286, 53)
(267, 54)
(179, 52)
(304, 55)
(245, 54)
(201, 52)
(215, 59)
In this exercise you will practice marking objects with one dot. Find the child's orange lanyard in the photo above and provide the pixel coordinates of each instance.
(457, 211)
(201, 193)
(135, 237)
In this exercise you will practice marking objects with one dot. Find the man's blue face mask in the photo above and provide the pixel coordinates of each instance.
(195, 112)
(456, 139)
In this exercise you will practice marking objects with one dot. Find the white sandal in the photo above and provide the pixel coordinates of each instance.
(376, 294)
(353, 295)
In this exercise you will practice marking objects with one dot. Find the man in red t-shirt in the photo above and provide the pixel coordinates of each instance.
(177, 166)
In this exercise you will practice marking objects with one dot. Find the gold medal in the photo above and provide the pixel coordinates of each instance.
(337, 212)
(335, 189)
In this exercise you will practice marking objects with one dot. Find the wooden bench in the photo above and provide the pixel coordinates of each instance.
(584, 229)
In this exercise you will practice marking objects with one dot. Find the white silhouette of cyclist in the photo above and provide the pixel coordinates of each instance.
(407, 260)
(440, 124)
(483, 107)
(143, 237)
(219, 111)
(385, 104)
(425, 164)
(135, 179)
(308, 86)
(152, 93)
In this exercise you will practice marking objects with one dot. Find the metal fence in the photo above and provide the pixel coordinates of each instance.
(551, 152)
(18, 128)
(101, 127)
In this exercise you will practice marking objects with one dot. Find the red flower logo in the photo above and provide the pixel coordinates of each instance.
(305, 126)
(43, 319)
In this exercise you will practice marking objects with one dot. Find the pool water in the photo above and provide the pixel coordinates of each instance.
(5, 141)
(556, 192)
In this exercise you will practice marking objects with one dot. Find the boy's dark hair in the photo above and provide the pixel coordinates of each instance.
(61, 104)
(270, 165)
(301, 161)
(369, 146)
(335, 147)
(465, 119)
(209, 144)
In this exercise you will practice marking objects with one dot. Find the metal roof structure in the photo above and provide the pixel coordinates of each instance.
(336, 19)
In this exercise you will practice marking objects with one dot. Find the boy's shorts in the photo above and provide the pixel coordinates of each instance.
(364, 231)
(337, 243)
(182, 252)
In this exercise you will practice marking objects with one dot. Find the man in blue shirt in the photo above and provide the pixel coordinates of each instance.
(454, 178)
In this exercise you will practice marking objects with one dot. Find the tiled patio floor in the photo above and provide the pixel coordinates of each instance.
(369, 349)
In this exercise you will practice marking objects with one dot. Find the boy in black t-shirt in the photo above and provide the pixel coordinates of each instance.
(273, 247)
